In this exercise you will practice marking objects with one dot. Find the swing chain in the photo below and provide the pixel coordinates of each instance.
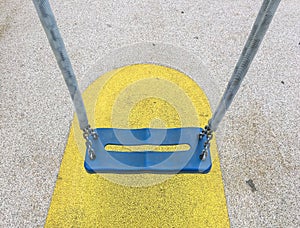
(86, 133)
(208, 132)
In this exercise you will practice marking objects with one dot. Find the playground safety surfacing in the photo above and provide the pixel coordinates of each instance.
(139, 96)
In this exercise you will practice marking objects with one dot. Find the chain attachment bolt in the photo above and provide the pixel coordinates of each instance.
(206, 131)
(86, 132)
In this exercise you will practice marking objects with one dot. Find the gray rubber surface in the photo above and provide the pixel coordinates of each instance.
(261, 144)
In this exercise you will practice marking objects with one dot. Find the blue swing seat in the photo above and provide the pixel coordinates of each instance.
(187, 161)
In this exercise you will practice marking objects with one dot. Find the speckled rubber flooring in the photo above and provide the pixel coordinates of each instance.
(259, 150)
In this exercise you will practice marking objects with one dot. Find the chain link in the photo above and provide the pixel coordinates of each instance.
(208, 133)
(86, 132)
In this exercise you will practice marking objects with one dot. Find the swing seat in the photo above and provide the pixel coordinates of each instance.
(150, 161)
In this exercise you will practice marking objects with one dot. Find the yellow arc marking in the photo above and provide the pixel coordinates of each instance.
(139, 96)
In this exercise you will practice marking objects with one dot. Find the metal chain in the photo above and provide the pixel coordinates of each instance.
(208, 133)
(86, 133)
(250, 49)
(255, 38)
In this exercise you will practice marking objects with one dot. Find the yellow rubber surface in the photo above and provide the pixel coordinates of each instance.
(139, 96)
